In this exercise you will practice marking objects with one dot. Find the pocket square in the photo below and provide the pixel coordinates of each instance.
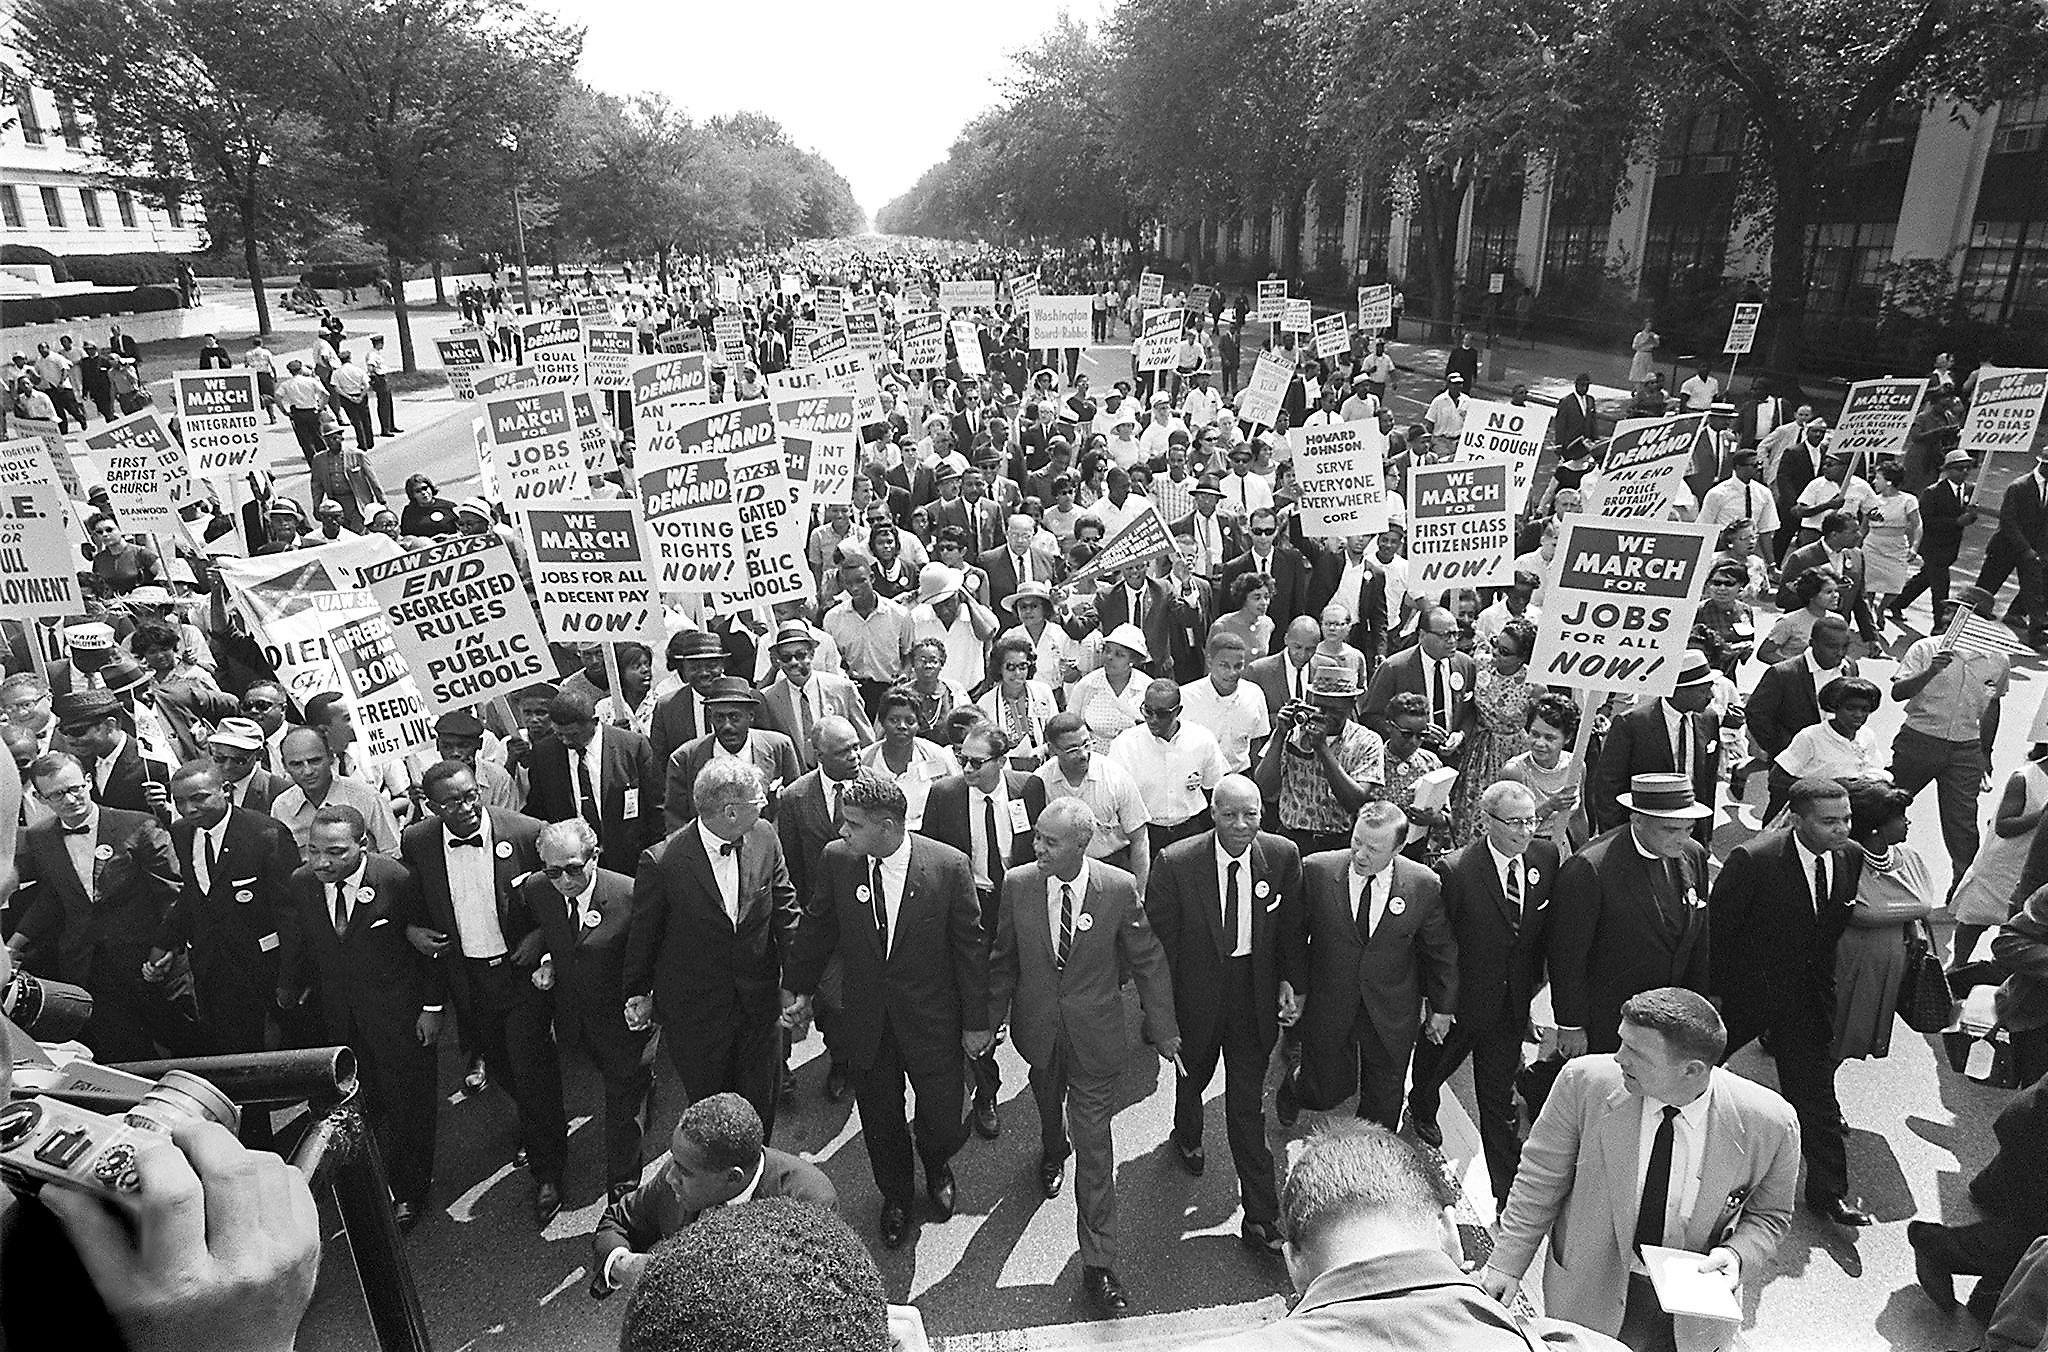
(375, 923)
(241, 882)
(1272, 906)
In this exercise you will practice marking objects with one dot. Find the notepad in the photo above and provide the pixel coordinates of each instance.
(1433, 790)
(1683, 1289)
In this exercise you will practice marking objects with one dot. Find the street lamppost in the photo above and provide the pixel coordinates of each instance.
(511, 143)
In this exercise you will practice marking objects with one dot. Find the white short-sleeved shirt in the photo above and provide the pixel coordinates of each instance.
(1237, 719)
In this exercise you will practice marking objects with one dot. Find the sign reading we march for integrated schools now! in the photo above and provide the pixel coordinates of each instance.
(2005, 411)
(1618, 605)
(1742, 329)
(536, 448)
(1461, 525)
(1877, 417)
(684, 476)
(1340, 478)
(1272, 299)
(462, 619)
(591, 571)
(1513, 430)
(219, 413)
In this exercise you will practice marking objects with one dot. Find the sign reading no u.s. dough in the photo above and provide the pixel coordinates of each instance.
(462, 620)
(1619, 603)
(1513, 430)
(218, 413)
(1461, 524)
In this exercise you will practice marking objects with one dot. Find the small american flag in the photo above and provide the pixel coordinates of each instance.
(1971, 632)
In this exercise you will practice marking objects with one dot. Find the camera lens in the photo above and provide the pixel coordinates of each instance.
(180, 1096)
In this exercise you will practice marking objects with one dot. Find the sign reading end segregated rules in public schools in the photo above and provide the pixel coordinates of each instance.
(463, 620)
(1619, 604)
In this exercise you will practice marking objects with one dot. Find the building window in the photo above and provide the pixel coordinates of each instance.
(2021, 124)
(176, 211)
(10, 206)
(90, 200)
(1846, 262)
(1262, 237)
(124, 203)
(1706, 142)
(25, 113)
(67, 121)
(2005, 271)
(1575, 248)
(1889, 136)
(1684, 256)
(53, 208)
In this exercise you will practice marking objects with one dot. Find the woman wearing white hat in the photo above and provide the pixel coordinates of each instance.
(1112, 697)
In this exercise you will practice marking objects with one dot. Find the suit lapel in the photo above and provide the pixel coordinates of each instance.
(1620, 1134)
(1722, 1165)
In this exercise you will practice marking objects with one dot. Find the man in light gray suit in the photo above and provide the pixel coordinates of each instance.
(800, 698)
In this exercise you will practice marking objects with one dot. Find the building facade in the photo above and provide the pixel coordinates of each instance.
(50, 197)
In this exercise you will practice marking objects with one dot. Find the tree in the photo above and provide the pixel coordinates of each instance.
(188, 98)
(427, 104)
(1811, 75)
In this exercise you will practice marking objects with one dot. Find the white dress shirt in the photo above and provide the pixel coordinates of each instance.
(725, 870)
(1382, 891)
(473, 893)
(216, 835)
(589, 757)
(1241, 946)
(977, 834)
(895, 876)
(1053, 884)
(1505, 864)
(1688, 1141)
(350, 888)
(80, 846)
(1678, 736)
(1807, 859)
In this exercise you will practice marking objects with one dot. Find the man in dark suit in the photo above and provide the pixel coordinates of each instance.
(1154, 604)
(698, 658)
(1368, 946)
(1578, 419)
(1673, 734)
(1797, 466)
(1787, 697)
(1497, 892)
(1217, 538)
(468, 917)
(808, 821)
(717, 1157)
(377, 993)
(231, 911)
(94, 724)
(1779, 905)
(1067, 926)
(713, 912)
(986, 812)
(2017, 545)
(96, 884)
(236, 745)
(1219, 903)
(1016, 562)
(1443, 676)
(1268, 554)
(731, 707)
(1285, 676)
(585, 912)
(1945, 510)
(900, 910)
(1629, 914)
(606, 776)
(1761, 414)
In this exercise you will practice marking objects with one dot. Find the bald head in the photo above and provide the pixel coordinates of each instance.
(1303, 634)
(1237, 811)
(837, 745)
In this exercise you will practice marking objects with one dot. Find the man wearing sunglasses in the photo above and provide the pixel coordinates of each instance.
(236, 745)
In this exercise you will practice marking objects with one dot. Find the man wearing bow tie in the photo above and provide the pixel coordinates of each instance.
(467, 917)
(713, 915)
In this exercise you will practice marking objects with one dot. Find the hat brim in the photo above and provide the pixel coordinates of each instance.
(1009, 602)
(1697, 812)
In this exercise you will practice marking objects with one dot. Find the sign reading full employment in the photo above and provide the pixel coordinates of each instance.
(591, 571)
(1512, 430)
(686, 489)
(1062, 321)
(2005, 411)
(37, 576)
(1376, 307)
(131, 454)
(968, 295)
(217, 410)
(1619, 603)
(1340, 478)
(1645, 465)
(1272, 300)
(1158, 339)
(462, 619)
(535, 446)
(553, 346)
(384, 701)
(827, 420)
(1265, 390)
(1461, 524)
(1742, 329)
(464, 353)
(609, 353)
(1877, 417)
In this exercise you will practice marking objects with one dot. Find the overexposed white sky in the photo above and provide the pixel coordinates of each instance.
(880, 89)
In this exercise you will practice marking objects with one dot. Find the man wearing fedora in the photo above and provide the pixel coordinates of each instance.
(801, 696)
(731, 708)
(1945, 510)
(236, 745)
(95, 724)
(1629, 914)
(1217, 538)
(697, 659)
(1673, 734)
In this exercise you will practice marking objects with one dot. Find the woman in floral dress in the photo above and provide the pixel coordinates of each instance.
(1503, 696)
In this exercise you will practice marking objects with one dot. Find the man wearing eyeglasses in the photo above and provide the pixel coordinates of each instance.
(1175, 764)
(1269, 554)
(236, 745)
(585, 912)
(263, 704)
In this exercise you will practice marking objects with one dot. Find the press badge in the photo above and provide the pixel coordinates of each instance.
(266, 943)
(632, 802)
(1020, 821)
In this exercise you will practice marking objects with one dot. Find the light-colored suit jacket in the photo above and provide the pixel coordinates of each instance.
(841, 697)
(1577, 1183)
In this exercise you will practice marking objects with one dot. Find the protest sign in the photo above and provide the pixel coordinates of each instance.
(1265, 390)
(553, 346)
(1340, 483)
(38, 570)
(591, 572)
(26, 460)
(1271, 302)
(504, 379)
(1876, 418)
(593, 433)
(681, 338)
(46, 431)
(831, 306)
(1199, 297)
(1645, 465)
(864, 331)
(967, 348)
(1143, 538)
(924, 342)
(850, 371)
(771, 532)
(1151, 289)
(1022, 288)
(131, 455)
(732, 339)
(826, 419)
(384, 702)
(802, 334)
(535, 448)
(686, 490)
(1375, 308)
(2005, 411)
(292, 600)
(1512, 430)
(486, 472)
(1618, 605)
(1062, 321)
(1297, 315)
(728, 288)
(1742, 329)
(914, 300)
(598, 308)
(968, 295)
(1158, 339)
(609, 350)
(1461, 524)
(1333, 336)
(792, 284)
(462, 620)
(219, 413)
(672, 381)
(463, 354)
(829, 343)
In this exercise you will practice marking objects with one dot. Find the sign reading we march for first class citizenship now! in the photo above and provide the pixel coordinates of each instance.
(1461, 527)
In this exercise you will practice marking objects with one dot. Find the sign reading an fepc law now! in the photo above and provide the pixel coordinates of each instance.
(462, 620)
(1619, 603)
(219, 414)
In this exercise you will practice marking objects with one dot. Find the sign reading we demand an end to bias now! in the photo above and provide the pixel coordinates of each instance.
(1619, 603)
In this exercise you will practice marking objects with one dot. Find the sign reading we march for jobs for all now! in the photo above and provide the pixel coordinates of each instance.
(535, 446)
(1619, 604)
(462, 619)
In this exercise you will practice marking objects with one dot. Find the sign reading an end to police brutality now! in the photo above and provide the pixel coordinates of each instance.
(685, 481)
(1646, 461)
(1461, 524)
(1619, 604)
(218, 412)
(462, 620)
(591, 571)
(535, 446)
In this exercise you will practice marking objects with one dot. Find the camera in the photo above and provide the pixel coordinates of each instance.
(46, 1140)
(48, 1011)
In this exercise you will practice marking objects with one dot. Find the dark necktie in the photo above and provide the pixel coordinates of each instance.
(212, 859)
(881, 908)
(1066, 924)
(1511, 884)
(832, 785)
(1365, 912)
(340, 910)
(1820, 883)
(1230, 909)
(474, 842)
(993, 846)
(586, 793)
(1657, 1182)
(803, 718)
(731, 847)
(1683, 749)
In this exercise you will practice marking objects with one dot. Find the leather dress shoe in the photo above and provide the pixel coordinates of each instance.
(986, 1124)
(1105, 1290)
(406, 1215)
(1286, 1104)
(1928, 1269)
(1426, 1130)
(478, 1079)
(1260, 1235)
(1191, 1158)
(938, 1189)
(895, 1220)
(1839, 1210)
(835, 1082)
(1052, 1174)
(547, 1204)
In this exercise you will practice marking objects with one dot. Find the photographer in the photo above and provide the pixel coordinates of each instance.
(1320, 765)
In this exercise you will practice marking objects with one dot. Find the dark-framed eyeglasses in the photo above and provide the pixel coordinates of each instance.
(561, 870)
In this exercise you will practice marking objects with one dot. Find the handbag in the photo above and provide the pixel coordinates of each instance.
(1925, 1001)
